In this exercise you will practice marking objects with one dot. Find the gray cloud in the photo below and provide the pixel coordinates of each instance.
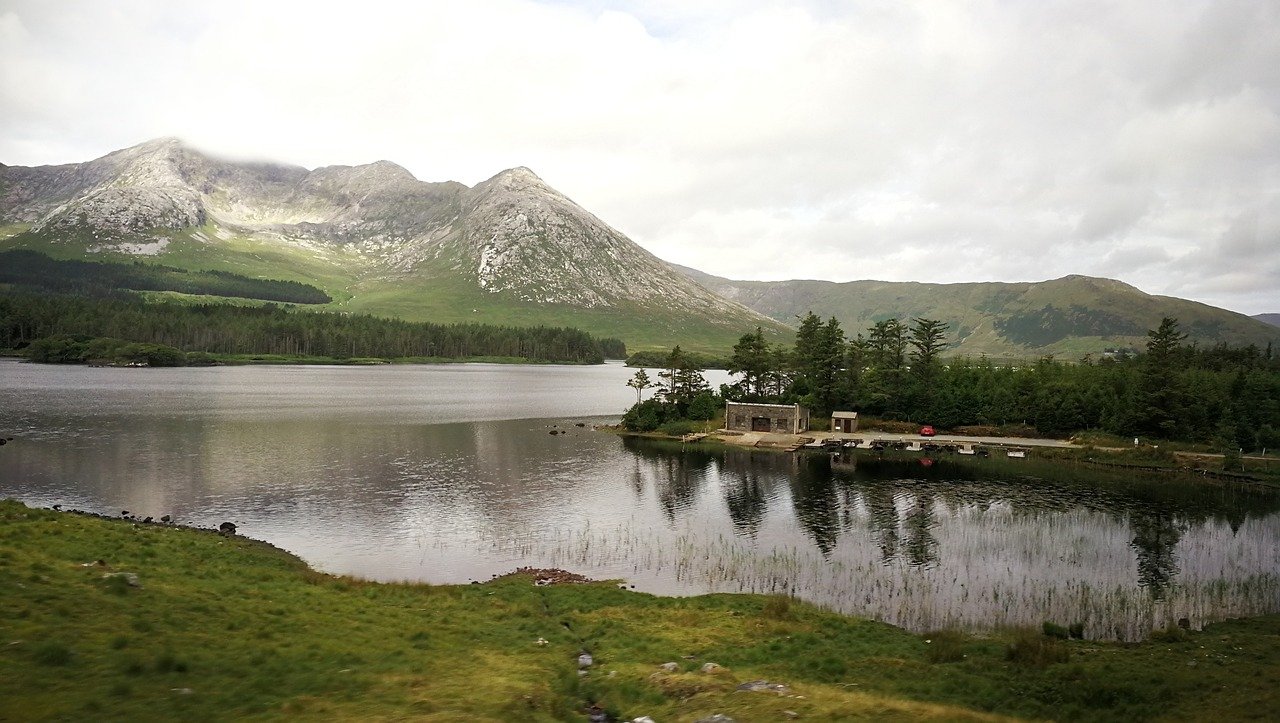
(921, 141)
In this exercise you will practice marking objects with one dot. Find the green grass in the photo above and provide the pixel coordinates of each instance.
(229, 628)
(434, 295)
(12, 229)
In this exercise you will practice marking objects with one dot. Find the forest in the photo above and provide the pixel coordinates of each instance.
(1228, 397)
(222, 329)
(29, 268)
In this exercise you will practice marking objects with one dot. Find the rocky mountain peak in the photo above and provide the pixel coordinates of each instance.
(371, 174)
(512, 236)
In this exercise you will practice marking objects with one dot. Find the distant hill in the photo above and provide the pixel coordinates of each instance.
(1272, 319)
(512, 250)
(1067, 317)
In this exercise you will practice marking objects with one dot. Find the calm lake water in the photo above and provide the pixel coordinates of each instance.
(446, 474)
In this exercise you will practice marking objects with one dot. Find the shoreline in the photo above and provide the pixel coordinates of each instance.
(204, 622)
(943, 445)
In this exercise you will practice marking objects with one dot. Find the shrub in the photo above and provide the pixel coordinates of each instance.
(1076, 631)
(1033, 649)
(945, 646)
(1171, 634)
(680, 427)
(777, 607)
(1054, 630)
(168, 663)
(52, 653)
(704, 406)
(645, 416)
(1231, 460)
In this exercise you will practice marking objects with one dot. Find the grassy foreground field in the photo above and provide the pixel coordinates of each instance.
(228, 628)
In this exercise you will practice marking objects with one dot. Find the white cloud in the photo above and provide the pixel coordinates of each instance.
(930, 141)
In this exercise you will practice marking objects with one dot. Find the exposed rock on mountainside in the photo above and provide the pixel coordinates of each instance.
(1071, 316)
(510, 250)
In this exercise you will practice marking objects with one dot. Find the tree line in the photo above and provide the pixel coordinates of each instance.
(30, 268)
(271, 329)
(1228, 397)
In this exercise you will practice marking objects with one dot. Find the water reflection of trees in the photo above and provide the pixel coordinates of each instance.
(882, 509)
(901, 499)
(819, 506)
(1155, 510)
(749, 481)
(1155, 538)
(921, 546)
(680, 473)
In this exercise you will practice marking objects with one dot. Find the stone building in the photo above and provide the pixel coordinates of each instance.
(779, 418)
(844, 422)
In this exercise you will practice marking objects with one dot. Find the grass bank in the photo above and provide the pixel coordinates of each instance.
(228, 628)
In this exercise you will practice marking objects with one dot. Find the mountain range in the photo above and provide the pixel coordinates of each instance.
(1069, 317)
(510, 250)
(513, 250)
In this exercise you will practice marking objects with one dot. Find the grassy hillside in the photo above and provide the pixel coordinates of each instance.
(434, 295)
(227, 628)
(1067, 317)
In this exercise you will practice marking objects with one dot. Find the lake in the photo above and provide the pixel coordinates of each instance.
(450, 473)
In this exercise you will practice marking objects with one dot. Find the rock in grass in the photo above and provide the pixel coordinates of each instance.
(130, 578)
(585, 660)
(712, 667)
(670, 667)
(764, 685)
(717, 718)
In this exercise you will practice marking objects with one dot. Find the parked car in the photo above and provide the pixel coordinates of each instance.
(927, 431)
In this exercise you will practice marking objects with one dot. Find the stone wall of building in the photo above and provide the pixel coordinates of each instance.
(782, 418)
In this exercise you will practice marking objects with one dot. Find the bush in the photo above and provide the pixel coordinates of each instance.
(704, 406)
(889, 425)
(1032, 649)
(1054, 630)
(1231, 460)
(645, 416)
(1171, 634)
(52, 653)
(945, 646)
(680, 427)
(168, 663)
(777, 607)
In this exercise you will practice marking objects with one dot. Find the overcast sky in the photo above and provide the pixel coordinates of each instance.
(907, 141)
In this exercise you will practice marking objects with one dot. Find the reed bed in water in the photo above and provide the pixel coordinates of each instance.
(971, 567)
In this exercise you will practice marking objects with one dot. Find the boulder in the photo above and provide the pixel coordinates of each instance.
(130, 578)
(764, 685)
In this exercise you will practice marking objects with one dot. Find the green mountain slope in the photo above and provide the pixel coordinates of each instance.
(1069, 317)
(1272, 319)
(511, 250)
